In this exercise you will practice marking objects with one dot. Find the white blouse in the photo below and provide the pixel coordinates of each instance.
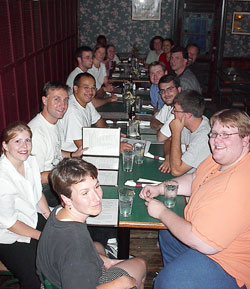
(19, 196)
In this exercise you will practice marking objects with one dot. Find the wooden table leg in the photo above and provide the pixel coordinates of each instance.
(123, 243)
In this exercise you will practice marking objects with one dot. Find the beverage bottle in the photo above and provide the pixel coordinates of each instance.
(132, 112)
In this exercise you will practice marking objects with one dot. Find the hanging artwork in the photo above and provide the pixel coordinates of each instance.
(146, 9)
(241, 23)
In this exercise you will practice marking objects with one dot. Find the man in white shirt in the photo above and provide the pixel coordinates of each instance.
(81, 113)
(46, 142)
(169, 87)
(188, 145)
(84, 59)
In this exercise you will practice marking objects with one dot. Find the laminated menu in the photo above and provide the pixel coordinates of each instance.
(103, 151)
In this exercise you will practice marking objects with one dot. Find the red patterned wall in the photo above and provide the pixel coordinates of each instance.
(37, 42)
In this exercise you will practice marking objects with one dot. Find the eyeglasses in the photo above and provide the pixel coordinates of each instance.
(164, 91)
(174, 110)
(222, 135)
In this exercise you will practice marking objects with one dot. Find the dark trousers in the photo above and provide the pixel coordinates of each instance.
(52, 198)
(20, 259)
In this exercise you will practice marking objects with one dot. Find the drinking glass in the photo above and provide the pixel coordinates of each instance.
(171, 188)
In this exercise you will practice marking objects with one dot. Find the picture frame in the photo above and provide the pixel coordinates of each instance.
(146, 9)
(241, 23)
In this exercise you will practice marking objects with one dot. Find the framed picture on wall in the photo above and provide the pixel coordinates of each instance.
(241, 23)
(146, 9)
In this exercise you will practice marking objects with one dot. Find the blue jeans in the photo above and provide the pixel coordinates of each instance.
(185, 268)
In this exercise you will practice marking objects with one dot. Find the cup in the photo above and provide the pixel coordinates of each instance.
(133, 129)
(128, 161)
(126, 197)
(171, 188)
(139, 149)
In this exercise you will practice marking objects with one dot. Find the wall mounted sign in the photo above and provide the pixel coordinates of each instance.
(146, 9)
(241, 23)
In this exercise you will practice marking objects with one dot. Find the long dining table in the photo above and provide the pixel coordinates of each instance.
(148, 170)
(139, 218)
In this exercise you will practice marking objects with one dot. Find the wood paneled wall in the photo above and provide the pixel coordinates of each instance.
(38, 39)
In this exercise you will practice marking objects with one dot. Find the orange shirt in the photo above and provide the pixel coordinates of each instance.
(219, 211)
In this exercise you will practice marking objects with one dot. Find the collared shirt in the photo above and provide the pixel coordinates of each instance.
(19, 197)
(155, 97)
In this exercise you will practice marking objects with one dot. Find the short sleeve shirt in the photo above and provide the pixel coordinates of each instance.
(75, 118)
(219, 212)
(46, 143)
(197, 146)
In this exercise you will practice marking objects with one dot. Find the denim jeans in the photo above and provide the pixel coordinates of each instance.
(185, 268)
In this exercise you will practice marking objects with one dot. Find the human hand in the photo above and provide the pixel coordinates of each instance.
(125, 147)
(112, 98)
(109, 87)
(123, 134)
(79, 152)
(165, 166)
(177, 125)
(155, 208)
(151, 191)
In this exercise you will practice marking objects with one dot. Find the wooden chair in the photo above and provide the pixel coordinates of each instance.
(5, 272)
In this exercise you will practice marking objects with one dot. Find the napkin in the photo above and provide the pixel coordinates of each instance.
(140, 180)
(142, 88)
(147, 106)
(144, 123)
(131, 183)
(149, 155)
(117, 122)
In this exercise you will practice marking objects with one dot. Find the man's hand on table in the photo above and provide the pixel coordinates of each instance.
(112, 98)
(152, 191)
(108, 88)
(165, 166)
(155, 208)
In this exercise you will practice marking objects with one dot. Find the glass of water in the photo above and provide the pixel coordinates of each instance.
(171, 189)
(126, 197)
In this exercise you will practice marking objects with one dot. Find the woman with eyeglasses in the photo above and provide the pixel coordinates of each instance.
(21, 200)
(210, 247)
